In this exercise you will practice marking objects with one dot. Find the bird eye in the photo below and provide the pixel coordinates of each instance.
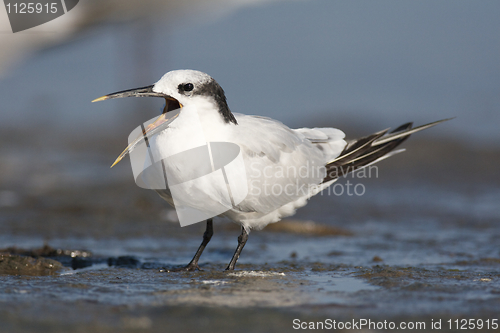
(188, 87)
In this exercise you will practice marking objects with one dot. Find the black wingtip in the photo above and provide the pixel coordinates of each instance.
(372, 148)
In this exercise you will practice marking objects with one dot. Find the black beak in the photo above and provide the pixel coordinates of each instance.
(138, 92)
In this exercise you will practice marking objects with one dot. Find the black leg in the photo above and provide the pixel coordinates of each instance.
(193, 264)
(242, 239)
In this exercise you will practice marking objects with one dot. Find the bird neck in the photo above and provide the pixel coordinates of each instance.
(213, 110)
(224, 111)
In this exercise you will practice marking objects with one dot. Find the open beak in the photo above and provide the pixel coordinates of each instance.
(159, 124)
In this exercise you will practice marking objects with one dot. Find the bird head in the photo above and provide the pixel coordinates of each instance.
(179, 88)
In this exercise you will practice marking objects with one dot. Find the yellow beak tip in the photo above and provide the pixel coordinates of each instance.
(117, 160)
(102, 98)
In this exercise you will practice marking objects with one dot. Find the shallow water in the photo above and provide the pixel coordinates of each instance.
(422, 243)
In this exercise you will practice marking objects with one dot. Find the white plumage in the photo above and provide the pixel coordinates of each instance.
(273, 154)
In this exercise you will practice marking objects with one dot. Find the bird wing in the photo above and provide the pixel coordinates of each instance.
(282, 165)
(329, 140)
(270, 144)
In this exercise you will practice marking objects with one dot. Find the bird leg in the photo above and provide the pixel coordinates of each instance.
(242, 239)
(207, 235)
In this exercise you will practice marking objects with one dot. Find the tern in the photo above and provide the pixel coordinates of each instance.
(269, 150)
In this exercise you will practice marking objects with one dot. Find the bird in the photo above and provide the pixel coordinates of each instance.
(196, 109)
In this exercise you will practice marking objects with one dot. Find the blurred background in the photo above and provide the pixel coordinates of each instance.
(358, 65)
(363, 63)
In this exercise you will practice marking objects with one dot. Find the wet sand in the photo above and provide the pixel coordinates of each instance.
(421, 244)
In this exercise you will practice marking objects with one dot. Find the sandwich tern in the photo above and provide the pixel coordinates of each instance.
(268, 148)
